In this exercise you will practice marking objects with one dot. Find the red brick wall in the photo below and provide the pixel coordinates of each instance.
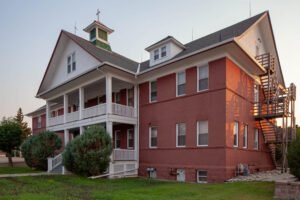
(194, 106)
(239, 99)
(35, 129)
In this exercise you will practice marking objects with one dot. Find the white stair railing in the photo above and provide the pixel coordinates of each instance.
(54, 162)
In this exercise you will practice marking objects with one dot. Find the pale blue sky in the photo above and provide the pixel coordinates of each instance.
(29, 30)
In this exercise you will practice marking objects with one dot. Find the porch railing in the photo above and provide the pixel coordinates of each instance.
(123, 155)
(56, 120)
(123, 110)
(73, 116)
(94, 111)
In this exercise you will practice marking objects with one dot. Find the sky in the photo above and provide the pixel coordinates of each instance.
(29, 30)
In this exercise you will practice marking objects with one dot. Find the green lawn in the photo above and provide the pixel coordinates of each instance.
(73, 187)
(16, 170)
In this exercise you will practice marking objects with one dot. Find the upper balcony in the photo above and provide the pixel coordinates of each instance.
(91, 100)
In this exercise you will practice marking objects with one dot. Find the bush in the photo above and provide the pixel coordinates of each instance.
(294, 157)
(89, 154)
(37, 148)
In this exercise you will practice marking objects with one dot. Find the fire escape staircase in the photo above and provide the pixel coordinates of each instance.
(273, 105)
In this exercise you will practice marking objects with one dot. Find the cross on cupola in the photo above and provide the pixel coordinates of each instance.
(99, 33)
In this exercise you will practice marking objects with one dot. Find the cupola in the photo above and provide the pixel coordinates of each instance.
(99, 34)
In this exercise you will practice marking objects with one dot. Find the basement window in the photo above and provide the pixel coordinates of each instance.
(201, 176)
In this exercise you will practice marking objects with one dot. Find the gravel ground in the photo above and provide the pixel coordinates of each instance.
(270, 176)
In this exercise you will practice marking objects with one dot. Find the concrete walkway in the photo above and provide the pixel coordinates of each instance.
(24, 174)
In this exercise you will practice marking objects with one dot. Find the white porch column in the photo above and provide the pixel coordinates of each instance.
(47, 113)
(108, 93)
(109, 129)
(66, 136)
(65, 107)
(81, 102)
(135, 93)
(81, 130)
(136, 143)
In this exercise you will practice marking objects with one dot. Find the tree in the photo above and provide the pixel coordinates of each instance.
(89, 154)
(294, 157)
(37, 148)
(10, 137)
(26, 131)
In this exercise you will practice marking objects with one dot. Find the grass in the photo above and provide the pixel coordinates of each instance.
(16, 170)
(73, 187)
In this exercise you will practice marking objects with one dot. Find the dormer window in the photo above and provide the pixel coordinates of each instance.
(156, 54)
(163, 52)
(71, 63)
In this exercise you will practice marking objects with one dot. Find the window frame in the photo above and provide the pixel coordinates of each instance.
(245, 136)
(150, 137)
(177, 83)
(197, 174)
(198, 133)
(128, 132)
(198, 77)
(130, 99)
(119, 132)
(237, 134)
(71, 63)
(163, 53)
(39, 121)
(256, 139)
(150, 91)
(177, 134)
(156, 56)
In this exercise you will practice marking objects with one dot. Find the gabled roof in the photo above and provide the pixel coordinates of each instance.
(37, 111)
(212, 39)
(166, 39)
(100, 54)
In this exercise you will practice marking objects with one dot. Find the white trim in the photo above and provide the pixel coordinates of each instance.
(115, 133)
(198, 170)
(150, 131)
(177, 131)
(197, 132)
(256, 132)
(131, 129)
(182, 71)
(198, 67)
(245, 146)
(155, 80)
(237, 134)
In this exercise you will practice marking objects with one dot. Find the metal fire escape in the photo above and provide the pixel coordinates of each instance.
(276, 103)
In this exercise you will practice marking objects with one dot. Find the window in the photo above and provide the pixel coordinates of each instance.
(163, 52)
(256, 93)
(156, 54)
(93, 34)
(117, 139)
(130, 139)
(203, 78)
(102, 35)
(236, 134)
(130, 97)
(202, 133)
(180, 83)
(153, 91)
(153, 137)
(71, 63)
(256, 138)
(180, 134)
(117, 97)
(245, 136)
(201, 176)
(39, 122)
